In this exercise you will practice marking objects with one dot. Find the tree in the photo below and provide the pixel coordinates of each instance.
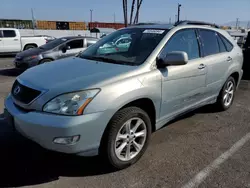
(125, 12)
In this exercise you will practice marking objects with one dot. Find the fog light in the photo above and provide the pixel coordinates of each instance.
(67, 140)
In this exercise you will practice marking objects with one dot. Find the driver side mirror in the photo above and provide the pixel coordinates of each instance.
(65, 48)
(173, 58)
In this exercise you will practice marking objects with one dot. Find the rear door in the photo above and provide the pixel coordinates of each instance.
(11, 41)
(216, 58)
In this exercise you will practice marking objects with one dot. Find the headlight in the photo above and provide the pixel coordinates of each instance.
(71, 103)
(31, 57)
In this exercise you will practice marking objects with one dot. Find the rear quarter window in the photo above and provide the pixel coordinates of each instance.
(228, 44)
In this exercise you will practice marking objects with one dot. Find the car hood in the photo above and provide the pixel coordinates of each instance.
(71, 74)
(30, 52)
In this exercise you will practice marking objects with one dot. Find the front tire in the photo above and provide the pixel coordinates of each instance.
(29, 47)
(128, 136)
(226, 96)
(45, 61)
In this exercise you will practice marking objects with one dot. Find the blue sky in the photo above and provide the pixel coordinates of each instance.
(218, 11)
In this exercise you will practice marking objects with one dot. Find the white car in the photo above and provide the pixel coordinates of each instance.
(12, 42)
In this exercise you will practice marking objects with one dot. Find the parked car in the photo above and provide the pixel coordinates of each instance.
(110, 103)
(11, 41)
(56, 49)
(121, 44)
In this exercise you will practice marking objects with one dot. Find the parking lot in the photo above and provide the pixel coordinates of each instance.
(204, 148)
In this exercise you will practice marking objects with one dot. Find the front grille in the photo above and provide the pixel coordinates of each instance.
(24, 94)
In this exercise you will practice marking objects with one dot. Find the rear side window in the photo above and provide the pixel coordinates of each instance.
(9, 33)
(221, 44)
(184, 40)
(229, 45)
(209, 42)
(74, 44)
(1, 35)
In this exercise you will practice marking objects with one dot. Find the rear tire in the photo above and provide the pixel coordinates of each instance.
(226, 96)
(29, 47)
(127, 137)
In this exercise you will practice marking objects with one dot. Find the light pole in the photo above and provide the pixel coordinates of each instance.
(90, 25)
(179, 10)
(91, 10)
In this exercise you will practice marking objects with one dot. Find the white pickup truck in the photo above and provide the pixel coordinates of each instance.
(11, 41)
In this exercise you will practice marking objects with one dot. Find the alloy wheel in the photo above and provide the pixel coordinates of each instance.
(130, 139)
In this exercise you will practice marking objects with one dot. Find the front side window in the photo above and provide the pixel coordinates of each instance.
(53, 44)
(74, 44)
(130, 46)
(1, 35)
(185, 41)
(9, 33)
(209, 42)
(221, 44)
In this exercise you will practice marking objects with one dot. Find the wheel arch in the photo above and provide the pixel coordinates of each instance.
(45, 59)
(30, 44)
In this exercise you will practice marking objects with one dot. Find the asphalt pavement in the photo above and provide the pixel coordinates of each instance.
(205, 148)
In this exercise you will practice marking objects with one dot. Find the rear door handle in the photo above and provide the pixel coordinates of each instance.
(15, 39)
(202, 66)
(229, 59)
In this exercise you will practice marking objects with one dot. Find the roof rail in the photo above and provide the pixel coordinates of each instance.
(188, 22)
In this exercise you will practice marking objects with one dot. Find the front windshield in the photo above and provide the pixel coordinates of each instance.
(53, 44)
(129, 46)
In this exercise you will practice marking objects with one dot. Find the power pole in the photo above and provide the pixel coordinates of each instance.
(237, 21)
(170, 20)
(179, 10)
(33, 18)
(248, 25)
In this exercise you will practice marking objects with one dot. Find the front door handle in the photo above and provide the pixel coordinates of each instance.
(229, 59)
(202, 66)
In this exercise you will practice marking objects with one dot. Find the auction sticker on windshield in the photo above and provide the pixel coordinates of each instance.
(153, 31)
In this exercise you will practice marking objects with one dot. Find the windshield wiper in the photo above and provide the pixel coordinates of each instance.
(108, 60)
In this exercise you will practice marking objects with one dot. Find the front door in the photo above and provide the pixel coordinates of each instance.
(182, 86)
(75, 46)
(11, 41)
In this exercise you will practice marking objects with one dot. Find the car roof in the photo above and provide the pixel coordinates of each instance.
(183, 23)
(153, 26)
(77, 37)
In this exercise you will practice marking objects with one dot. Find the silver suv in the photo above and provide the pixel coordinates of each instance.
(109, 99)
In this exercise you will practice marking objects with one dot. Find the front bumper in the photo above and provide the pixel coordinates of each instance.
(42, 128)
(22, 64)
